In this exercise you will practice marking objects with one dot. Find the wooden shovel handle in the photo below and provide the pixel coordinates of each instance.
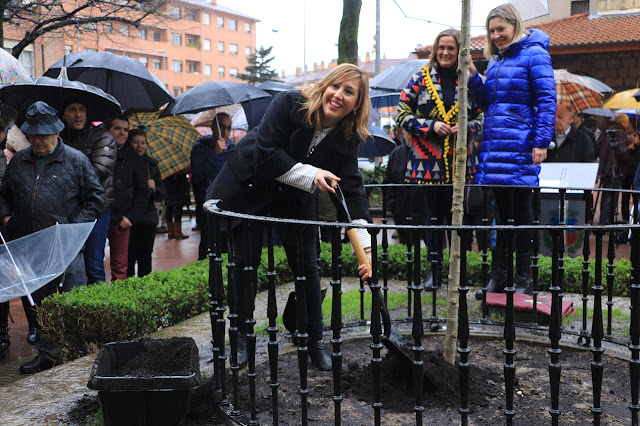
(361, 255)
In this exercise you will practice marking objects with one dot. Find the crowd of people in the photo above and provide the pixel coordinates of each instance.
(58, 167)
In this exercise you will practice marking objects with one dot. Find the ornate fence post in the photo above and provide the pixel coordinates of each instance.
(301, 324)
(233, 319)
(336, 322)
(509, 320)
(217, 307)
(272, 314)
(417, 333)
(555, 332)
(597, 332)
(463, 331)
(376, 331)
(584, 337)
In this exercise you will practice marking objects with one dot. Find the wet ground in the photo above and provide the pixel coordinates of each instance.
(46, 397)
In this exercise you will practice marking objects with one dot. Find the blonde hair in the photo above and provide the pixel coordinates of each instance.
(446, 33)
(509, 13)
(313, 103)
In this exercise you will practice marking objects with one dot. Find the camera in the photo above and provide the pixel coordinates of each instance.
(613, 137)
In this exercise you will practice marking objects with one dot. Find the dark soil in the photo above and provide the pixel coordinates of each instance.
(157, 357)
(441, 401)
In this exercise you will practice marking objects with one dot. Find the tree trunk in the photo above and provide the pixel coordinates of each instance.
(348, 38)
(451, 335)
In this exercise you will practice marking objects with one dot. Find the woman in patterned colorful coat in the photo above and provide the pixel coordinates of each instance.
(428, 110)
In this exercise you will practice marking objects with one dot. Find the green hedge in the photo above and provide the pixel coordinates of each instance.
(101, 313)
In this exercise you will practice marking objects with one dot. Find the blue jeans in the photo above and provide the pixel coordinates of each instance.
(94, 249)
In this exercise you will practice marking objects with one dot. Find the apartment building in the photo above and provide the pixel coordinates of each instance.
(191, 42)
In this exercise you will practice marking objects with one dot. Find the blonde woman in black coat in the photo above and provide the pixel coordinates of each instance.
(305, 138)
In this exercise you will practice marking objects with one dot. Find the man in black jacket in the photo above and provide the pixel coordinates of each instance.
(100, 147)
(570, 144)
(46, 184)
(130, 192)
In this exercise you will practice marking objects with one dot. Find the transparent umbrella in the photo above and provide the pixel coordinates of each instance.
(28, 263)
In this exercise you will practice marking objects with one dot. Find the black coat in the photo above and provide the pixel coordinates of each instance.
(67, 191)
(247, 182)
(100, 147)
(397, 198)
(150, 215)
(576, 148)
(130, 187)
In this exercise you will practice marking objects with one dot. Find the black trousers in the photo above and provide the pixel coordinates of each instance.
(513, 203)
(247, 245)
(141, 239)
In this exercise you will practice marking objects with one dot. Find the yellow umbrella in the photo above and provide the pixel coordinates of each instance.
(623, 100)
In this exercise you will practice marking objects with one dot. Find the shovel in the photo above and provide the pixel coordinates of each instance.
(392, 339)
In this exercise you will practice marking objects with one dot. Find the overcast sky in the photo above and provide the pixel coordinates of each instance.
(283, 26)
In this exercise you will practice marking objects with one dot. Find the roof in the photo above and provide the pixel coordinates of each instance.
(585, 30)
(221, 9)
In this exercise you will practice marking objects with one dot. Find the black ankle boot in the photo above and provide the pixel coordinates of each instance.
(4, 341)
(496, 285)
(319, 355)
(523, 283)
(243, 355)
(434, 280)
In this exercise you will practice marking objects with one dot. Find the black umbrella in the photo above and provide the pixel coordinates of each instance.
(126, 79)
(56, 92)
(396, 78)
(274, 87)
(378, 144)
(214, 94)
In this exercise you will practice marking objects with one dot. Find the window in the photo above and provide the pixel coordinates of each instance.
(176, 66)
(108, 28)
(177, 91)
(193, 67)
(207, 44)
(233, 72)
(579, 6)
(124, 30)
(221, 46)
(233, 25)
(206, 19)
(157, 64)
(247, 51)
(90, 27)
(192, 39)
(233, 49)
(144, 61)
(207, 70)
(156, 35)
(68, 49)
(142, 33)
(220, 71)
(220, 22)
(175, 12)
(26, 59)
(176, 39)
(247, 27)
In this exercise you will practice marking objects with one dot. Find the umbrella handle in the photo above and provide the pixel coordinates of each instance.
(361, 255)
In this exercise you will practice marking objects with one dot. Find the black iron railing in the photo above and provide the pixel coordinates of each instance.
(227, 373)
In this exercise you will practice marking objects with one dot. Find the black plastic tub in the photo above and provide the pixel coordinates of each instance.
(147, 381)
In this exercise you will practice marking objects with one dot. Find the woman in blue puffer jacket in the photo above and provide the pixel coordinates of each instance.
(519, 98)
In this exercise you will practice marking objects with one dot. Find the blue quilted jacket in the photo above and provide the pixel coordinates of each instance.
(519, 98)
